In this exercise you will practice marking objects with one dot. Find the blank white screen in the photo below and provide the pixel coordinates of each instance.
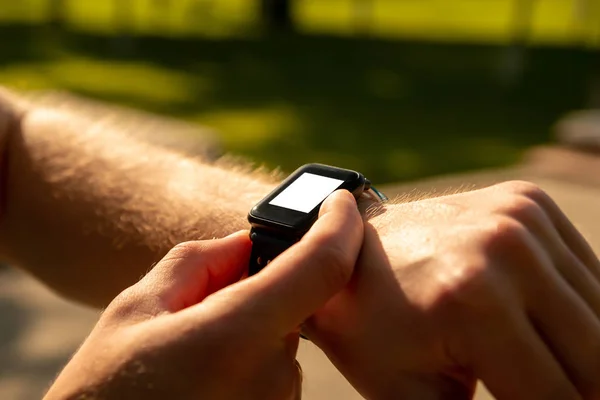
(306, 192)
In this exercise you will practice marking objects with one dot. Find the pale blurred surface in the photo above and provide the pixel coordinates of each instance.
(39, 331)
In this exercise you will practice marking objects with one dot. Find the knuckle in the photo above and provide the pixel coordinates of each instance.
(184, 251)
(124, 305)
(503, 233)
(462, 284)
(510, 244)
(474, 282)
(521, 208)
(523, 188)
(514, 251)
(525, 204)
(529, 191)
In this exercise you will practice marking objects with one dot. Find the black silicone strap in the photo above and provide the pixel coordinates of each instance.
(265, 247)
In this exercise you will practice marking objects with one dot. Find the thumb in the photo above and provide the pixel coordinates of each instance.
(304, 277)
(191, 271)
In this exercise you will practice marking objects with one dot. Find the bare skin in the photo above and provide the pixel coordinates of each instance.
(494, 284)
(191, 330)
(88, 210)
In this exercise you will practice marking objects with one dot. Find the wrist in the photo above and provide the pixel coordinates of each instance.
(370, 207)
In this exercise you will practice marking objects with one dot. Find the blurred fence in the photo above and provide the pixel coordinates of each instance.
(571, 22)
(482, 90)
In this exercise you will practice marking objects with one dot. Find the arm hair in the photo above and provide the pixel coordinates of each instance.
(88, 209)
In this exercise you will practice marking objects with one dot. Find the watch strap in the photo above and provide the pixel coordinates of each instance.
(265, 247)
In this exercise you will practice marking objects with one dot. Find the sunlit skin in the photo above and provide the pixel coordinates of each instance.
(494, 284)
(191, 330)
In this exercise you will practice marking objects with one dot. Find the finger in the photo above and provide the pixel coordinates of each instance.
(297, 392)
(559, 298)
(569, 233)
(303, 278)
(193, 270)
(571, 330)
(578, 277)
(571, 268)
(560, 295)
(514, 363)
(291, 342)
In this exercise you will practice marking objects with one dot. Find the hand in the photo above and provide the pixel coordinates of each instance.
(191, 329)
(494, 284)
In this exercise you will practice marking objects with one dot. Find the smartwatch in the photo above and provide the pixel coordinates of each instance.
(287, 213)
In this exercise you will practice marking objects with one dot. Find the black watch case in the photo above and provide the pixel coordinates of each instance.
(289, 222)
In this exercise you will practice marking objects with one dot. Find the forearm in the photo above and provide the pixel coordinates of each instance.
(89, 210)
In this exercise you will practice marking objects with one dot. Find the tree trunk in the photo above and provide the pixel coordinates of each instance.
(277, 15)
(515, 55)
(123, 42)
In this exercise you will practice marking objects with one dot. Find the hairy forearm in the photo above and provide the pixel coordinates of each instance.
(89, 210)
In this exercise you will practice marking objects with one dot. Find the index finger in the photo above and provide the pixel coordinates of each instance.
(304, 277)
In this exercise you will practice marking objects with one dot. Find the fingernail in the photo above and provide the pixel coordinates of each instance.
(338, 195)
(238, 233)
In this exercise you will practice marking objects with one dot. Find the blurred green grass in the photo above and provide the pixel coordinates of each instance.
(395, 110)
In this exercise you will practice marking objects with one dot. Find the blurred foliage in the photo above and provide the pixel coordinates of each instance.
(486, 21)
(393, 109)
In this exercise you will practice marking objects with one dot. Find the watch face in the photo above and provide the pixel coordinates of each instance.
(294, 205)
